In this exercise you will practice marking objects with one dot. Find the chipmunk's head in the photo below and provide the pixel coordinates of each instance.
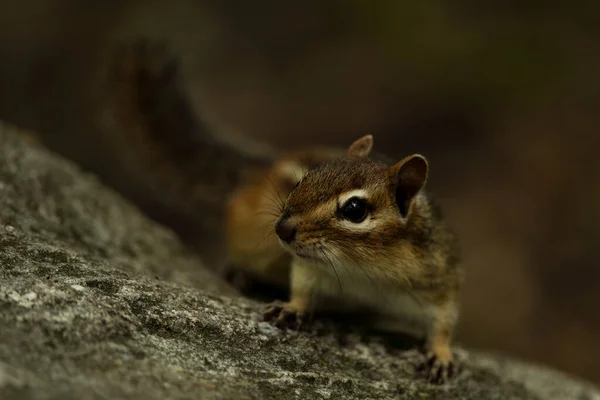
(353, 209)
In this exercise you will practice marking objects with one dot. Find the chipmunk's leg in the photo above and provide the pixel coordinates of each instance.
(439, 365)
(293, 313)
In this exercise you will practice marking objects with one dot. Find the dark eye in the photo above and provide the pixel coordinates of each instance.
(354, 210)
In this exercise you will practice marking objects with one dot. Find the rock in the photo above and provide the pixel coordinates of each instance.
(96, 302)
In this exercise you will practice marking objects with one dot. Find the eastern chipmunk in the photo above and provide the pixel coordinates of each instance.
(339, 229)
(365, 234)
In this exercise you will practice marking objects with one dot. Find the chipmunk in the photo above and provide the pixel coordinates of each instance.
(364, 233)
(340, 229)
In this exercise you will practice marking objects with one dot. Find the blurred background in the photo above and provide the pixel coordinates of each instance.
(503, 98)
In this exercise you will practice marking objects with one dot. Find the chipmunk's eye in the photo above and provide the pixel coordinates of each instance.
(354, 210)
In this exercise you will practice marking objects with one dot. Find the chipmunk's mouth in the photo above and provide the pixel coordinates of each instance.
(287, 234)
(295, 250)
(306, 252)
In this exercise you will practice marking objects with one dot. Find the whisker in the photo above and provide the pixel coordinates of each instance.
(281, 200)
(272, 205)
(270, 213)
(269, 235)
(352, 275)
(366, 272)
(332, 266)
(267, 225)
(274, 200)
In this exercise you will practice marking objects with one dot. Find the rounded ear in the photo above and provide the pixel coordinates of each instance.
(361, 147)
(410, 176)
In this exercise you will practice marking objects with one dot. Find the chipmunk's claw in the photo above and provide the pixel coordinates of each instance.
(282, 316)
(438, 370)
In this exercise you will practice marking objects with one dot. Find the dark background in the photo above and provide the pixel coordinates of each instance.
(503, 98)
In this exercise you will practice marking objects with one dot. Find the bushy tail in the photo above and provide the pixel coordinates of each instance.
(154, 114)
(151, 113)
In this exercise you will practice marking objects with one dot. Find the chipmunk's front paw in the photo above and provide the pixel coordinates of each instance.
(284, 315)
(438, 368)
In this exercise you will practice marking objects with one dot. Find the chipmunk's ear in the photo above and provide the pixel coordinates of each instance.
(361, 147)
(410, 175)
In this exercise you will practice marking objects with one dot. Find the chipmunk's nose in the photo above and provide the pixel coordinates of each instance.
(285, 230)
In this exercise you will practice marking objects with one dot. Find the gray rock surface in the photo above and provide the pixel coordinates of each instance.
(97, 302)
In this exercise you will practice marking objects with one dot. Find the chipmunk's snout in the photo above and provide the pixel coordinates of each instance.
(285, 230)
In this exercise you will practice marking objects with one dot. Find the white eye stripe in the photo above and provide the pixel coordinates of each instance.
(344, 197)
(366, 225)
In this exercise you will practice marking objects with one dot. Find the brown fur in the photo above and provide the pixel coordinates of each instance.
(403, 248)
(409, 254)
(423, 234)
